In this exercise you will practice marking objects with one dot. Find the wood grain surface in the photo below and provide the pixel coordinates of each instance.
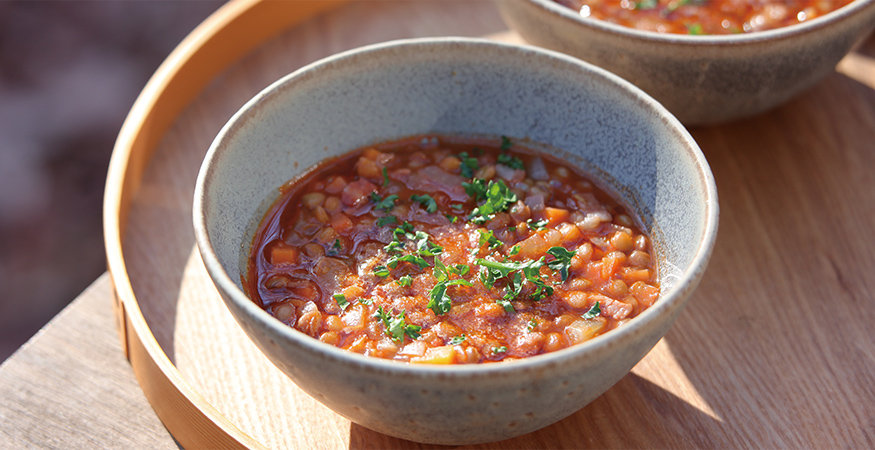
(773, 350)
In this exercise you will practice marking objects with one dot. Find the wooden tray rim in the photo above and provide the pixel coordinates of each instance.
(229, 33)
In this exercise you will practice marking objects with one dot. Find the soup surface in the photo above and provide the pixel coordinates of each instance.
(704, 16)
(449, 250)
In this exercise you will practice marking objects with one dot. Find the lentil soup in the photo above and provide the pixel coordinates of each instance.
(447, 250)
(704, 16)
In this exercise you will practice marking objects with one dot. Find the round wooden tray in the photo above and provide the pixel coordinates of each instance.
(773, 317)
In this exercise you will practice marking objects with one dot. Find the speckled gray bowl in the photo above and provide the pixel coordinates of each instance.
(700, 79)
(462, 87)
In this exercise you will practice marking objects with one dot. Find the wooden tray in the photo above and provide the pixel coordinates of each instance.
(774, 350)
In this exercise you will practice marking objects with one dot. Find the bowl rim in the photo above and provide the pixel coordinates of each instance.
(687, 281)
(788, 32)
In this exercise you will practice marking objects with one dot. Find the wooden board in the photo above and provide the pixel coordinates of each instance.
(772, 351)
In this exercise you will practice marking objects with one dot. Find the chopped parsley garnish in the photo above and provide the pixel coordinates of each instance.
(456, 340)
(405, 229)
(381, 271)
(453, 219)
(439, 301)
(424, 246)
(385, 177)
(397, 327)
(505, 143)
(393, 262)
(366, 301)
(335, 249)
(385, 204)
(562, 262)
(386, 220)
(593, 312)
(476, 189)
(488, 238)
(537, 224)
(496, 270)
(695, 29)
(341, 301)
(532, 325)
(498, 198)
(468, 166)
(511, 161)
(497, 350)
(457, 206)
(646, 4)
(514, 250)
(406, 280)
(426, 201)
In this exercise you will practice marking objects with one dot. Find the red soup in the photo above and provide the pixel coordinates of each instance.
(450, 251)
(704, 16)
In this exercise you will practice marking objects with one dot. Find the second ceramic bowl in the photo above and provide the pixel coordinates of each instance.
(700, 79)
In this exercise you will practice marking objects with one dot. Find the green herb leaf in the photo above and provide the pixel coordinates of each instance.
(505, 143)
(537, 224)
(381, 271)
(426, 201)
(476, 189)
(393, 262)
(498, 198)
(341, 301)
(424, 246)
(394, 247)
(511, 161)
(404, 281)
(396, 327)
(385, 204)
(366, 301)
(488, 238)
(532, 325)
(646, 4)
(562, 262)
(453, 219)
(468, 166)
(335, 249)
(456, 340)
(439, 301)
(497, 350)
(386, 220)
(514, 250)
(385, 177)
(593, 312)
(695, 29)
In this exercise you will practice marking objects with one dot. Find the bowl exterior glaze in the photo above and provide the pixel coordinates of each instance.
(700, 79)
(463, 87)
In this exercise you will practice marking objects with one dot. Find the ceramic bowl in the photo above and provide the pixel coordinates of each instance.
(462, 87)
(700, 79)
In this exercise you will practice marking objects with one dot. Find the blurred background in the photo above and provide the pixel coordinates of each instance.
(69, 73)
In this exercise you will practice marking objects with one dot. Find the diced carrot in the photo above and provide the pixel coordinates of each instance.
(371, 153)
(645, 293)
(611, 263)
(282, 253)
(556, 215)
(634, 275)
(341, 223)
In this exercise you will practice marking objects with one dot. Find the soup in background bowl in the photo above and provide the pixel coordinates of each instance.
(581, 115)
(701, 79)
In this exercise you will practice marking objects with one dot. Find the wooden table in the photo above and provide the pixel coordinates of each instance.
(774, 350)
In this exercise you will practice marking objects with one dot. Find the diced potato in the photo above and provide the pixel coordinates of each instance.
(435, 355)
(584, 329)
